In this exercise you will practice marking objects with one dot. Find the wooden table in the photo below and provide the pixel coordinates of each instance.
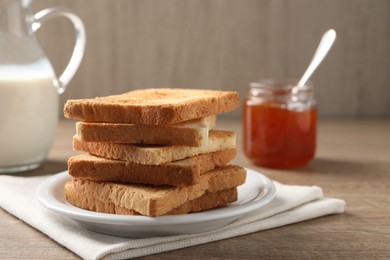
(352, 163)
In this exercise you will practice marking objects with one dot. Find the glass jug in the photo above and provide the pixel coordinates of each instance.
(29, 88)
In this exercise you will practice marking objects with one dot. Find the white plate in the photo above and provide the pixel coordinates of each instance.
(255, 193)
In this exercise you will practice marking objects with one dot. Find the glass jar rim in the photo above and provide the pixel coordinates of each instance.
(279, 84)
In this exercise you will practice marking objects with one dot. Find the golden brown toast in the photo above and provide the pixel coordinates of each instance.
(153, 106)
(209, 200)
(179, 173)
(156, 155)
(188, 133)
(149, 200)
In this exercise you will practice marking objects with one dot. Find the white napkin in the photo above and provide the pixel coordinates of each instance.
(292, 204)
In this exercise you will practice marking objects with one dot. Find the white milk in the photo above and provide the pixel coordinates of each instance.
(28, 115)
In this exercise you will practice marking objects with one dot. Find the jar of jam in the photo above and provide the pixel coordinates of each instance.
(279, 124)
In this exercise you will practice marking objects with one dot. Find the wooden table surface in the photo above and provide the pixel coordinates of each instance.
(352, 163)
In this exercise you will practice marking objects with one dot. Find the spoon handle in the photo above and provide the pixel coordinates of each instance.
(325, 44)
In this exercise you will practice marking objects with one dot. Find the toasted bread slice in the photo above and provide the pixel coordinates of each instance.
(153, 106)
(179, 173)
(189, 133)
(150, 200)
(204, 202)
(156, 155)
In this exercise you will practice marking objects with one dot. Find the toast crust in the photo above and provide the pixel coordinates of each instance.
(153, 106)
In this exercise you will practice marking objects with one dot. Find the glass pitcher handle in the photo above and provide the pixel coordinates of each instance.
(62, 81)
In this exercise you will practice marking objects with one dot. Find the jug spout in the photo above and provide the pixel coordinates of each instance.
(17, 42)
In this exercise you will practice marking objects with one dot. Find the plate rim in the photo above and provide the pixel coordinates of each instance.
(50, 202)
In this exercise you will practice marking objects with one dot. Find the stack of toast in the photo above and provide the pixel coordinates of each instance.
(153, 152)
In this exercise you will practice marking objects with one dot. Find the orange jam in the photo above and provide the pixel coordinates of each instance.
(279, 130)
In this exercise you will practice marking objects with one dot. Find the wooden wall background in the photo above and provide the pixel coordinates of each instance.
(224, 44)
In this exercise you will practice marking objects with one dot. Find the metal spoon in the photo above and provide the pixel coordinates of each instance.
(325, 44)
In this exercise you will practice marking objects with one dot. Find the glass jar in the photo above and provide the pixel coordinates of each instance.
(279, 124)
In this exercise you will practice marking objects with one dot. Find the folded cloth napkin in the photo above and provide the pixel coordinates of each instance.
(291, 204)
